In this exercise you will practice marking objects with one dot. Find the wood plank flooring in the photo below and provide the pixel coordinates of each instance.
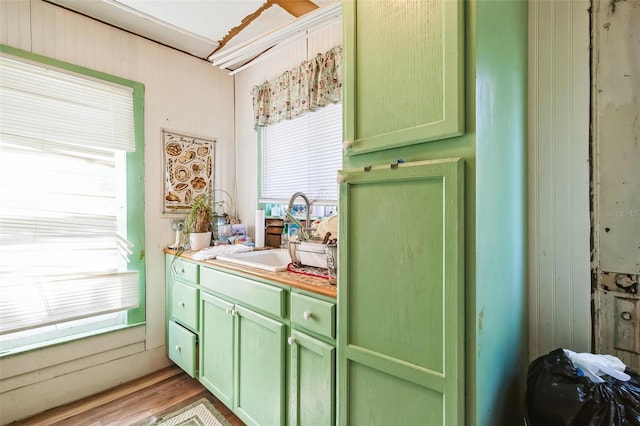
(140, 402)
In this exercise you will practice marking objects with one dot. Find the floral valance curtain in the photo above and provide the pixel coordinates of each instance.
(311, 85)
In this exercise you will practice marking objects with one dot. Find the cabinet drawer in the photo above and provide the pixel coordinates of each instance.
(269, 299)
(184, 305)
(184, 271)
(182, 348)
(313, 314)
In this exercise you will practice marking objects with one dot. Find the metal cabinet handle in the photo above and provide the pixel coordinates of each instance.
(306, 315)
(181, 304)
(291, 340)
(178, 348)
(227, 311)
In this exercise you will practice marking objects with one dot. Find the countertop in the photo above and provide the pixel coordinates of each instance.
(301, 281)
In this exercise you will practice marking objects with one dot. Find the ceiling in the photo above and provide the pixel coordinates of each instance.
(197, 27)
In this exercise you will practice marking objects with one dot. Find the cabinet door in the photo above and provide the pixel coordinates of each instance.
(311, 381)
(217, 347)
(260, 369)
(403, 72)
(401, 310)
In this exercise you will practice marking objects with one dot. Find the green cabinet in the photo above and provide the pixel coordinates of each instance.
(311, 381)
(401, 312)
(260, 369)
(217, 349)
(404, 79)
(312, 368)
(242, 352)
(182, 312)
(231, 332)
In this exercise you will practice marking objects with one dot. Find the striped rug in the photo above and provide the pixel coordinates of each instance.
(199, 413)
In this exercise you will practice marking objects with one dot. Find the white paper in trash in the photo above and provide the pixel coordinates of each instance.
(594, 366)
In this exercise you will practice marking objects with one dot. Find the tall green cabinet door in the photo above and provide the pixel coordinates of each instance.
(401, 295)
(403, 72)
(260, 371)
(312, 381)
(217, 347)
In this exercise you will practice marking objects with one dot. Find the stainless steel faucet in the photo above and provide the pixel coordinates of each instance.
(289, 216)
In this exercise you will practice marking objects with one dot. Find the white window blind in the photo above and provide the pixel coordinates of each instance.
(303, 154)
(63, 247)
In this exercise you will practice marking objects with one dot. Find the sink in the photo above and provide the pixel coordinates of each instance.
(270, 260)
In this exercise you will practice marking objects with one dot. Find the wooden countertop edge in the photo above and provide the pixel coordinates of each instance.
(300, 281)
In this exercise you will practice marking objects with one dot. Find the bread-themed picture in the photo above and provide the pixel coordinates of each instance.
(188, 169)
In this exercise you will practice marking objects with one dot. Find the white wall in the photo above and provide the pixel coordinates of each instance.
(182, 93)
(246, 137)
(558, 161)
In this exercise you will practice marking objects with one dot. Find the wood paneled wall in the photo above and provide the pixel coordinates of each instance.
(559, 223)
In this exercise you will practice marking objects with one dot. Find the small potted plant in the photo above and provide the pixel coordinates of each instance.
(198, 222)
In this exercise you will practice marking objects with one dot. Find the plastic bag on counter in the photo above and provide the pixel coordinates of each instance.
(559, 393)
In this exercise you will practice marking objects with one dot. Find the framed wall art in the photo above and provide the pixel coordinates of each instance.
(189, 170)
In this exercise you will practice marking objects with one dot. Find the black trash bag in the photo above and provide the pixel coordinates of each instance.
(558, 394)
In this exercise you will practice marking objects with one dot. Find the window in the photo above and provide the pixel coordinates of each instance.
(71, 181)
(303, 154)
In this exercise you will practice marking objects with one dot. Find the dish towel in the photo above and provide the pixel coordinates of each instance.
(213, 252)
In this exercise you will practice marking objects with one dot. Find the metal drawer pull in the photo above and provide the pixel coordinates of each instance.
(306, 315)
(291, 340)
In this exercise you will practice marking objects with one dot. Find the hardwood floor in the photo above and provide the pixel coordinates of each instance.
(140, 402)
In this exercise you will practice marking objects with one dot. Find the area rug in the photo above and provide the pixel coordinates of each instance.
(200, 413)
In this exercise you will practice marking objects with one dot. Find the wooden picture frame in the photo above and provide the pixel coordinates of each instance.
(189, 170)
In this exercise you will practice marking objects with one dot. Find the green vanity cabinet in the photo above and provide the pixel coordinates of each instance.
(401, 311)
(404, 77)
(242, 353)
(312, 366)
(231, 332)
